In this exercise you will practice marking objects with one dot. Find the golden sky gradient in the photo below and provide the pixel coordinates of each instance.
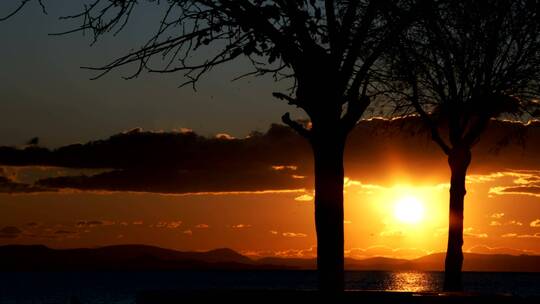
(280, 223)
(188, 192)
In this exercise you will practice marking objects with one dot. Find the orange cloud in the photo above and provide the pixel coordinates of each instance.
(519, 190)
(355, 253)
(10, 232)
(514, 223)
(240, 226)
(95, 223)
(468, 232)
(483, 249)
(530, 236)
(296, 253)
(304, 198)
(224, 136)
(282, 167)
(169, 225)
(535, 223)
(521, 236)
(294, 235)
(385, 251)
(347, 182)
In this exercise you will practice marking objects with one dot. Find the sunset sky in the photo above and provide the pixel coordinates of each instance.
(395, 197)
(185, 170)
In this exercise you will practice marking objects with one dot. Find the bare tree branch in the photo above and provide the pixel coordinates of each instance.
(435, 135)
(21, 6)
(286, 118)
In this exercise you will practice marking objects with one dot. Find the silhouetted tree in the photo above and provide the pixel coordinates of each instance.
(463, 64)
(326, 48)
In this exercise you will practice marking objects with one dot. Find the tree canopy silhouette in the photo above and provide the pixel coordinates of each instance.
(327, 49)
(461, 65)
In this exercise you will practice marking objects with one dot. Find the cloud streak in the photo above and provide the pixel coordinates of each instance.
(10, 232)
(277, 160)
(294, 235)
(484, 249)
(471, 233)
(9, 186)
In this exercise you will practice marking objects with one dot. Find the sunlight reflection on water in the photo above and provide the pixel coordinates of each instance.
(396, 281)
(411, 281)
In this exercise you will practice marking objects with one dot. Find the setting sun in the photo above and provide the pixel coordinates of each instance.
(409, 210)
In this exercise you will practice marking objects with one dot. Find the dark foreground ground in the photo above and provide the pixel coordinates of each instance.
(305, 297)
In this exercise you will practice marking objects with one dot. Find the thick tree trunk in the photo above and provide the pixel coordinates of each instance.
(459, 159)
(328, 155)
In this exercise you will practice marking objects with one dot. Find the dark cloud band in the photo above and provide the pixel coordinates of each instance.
(184, 162)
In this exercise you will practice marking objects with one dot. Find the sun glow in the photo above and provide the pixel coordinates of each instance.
(409, 210)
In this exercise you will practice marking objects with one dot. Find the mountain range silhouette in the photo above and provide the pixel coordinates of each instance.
(144, 257)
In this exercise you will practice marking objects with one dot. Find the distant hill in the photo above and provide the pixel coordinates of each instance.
(142, 257)
(120, 257)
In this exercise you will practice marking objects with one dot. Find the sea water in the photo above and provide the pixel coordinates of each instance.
(122, 287)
